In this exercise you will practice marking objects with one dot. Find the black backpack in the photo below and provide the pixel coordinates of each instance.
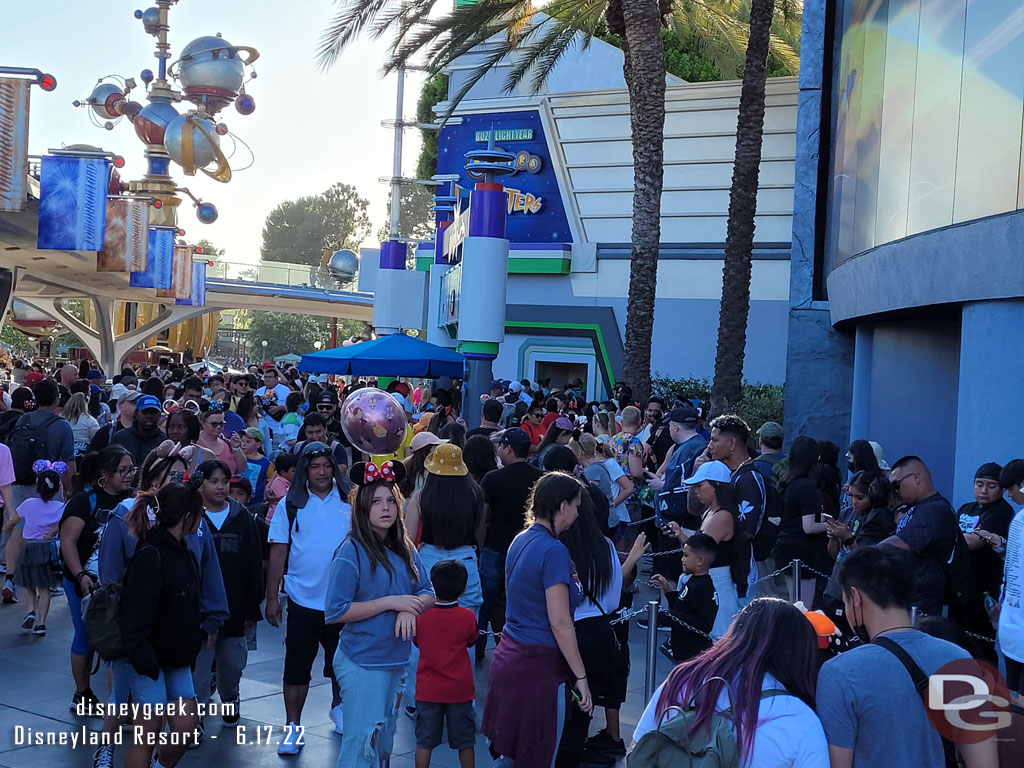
(28, 445)
(958, 572)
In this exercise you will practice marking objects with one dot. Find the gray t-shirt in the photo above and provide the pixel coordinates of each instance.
(867, 702)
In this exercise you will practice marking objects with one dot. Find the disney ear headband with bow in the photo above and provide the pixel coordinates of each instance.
(42, 465)
(366, 472)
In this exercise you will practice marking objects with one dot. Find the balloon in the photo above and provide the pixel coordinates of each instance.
(373, 421)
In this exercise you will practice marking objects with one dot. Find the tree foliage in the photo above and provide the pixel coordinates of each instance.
(435, 90)
(303, 231)
(209, 250)
(285, 332)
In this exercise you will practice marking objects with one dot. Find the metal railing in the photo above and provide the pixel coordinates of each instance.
(277, 273)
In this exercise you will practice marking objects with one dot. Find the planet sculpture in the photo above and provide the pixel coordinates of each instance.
(203, 149)
(151, 123)
(343, 265)
(211, 71)
(373, 421)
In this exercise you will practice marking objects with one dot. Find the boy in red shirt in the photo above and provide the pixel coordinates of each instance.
(444, 677)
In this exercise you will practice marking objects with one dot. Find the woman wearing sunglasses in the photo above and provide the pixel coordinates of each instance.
(211, 440)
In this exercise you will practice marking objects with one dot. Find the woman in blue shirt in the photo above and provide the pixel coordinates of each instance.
(378, 586)
(538, 660)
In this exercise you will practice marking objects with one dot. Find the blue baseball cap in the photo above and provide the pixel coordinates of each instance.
(146, 402)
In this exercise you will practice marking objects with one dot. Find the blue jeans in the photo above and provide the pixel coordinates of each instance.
(171, 686)
(370, 699)
(80, 642)
(492, 581)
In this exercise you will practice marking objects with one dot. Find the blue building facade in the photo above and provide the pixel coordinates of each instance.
(907, 278)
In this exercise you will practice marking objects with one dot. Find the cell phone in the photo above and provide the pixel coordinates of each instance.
(660, 521)
(827, 516)
(575, 696)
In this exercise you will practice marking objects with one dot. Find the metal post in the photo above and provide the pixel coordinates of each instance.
(794, 588)
(652, 649)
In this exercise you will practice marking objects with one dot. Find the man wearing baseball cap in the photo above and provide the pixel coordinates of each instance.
(144, 434)
(506, 494)
(688, 444)
(769, 443)
(126, 400)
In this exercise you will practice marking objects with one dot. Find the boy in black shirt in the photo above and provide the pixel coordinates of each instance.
(697, 602)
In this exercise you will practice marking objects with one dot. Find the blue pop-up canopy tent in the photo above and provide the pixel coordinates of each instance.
(395, 355)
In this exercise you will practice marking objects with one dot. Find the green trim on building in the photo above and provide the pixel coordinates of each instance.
(518, 265)
(594, 328)
(423, 263)
(478, 347)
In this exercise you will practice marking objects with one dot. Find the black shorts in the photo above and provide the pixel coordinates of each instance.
(305, 630)
(430, 717)
(605, 661)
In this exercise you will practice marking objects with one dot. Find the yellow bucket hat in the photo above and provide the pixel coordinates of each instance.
(446, 460)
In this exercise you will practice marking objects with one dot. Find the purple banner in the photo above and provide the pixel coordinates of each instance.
(392, 255)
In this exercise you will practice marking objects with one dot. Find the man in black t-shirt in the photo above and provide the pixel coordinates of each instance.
(985, 523)
(506, 494)
(928, 530)
(489, 422)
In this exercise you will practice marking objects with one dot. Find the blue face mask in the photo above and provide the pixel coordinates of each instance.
(208, 392)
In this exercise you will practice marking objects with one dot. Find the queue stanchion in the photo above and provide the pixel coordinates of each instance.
(913, 615)
(652, 649)
(794, 586)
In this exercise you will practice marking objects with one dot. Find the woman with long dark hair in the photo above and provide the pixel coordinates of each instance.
(159, 613)
(765, 670)
(860, 457)
(711, 484)
(561, 431)
(479, 457)
(803, 531)
(538, 660)
(605, 661)
(103, 479)
(377, 587)
(454, 433)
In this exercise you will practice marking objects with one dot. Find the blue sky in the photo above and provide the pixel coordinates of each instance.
(309, 130)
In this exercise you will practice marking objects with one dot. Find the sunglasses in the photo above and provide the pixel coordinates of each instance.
(896, 482)
(327, 407)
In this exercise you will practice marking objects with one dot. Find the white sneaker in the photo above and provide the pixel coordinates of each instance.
(292, 741)
(103, 757)
(336, 716)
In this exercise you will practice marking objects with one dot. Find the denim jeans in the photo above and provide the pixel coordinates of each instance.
(492, 581)
(370, 699)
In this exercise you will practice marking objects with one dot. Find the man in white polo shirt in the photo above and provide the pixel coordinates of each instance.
(307, 526)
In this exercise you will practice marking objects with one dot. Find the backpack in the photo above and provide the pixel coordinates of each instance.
(100, 610)
(674, 744)
(958, 572)
(28, 445)
(767, 529)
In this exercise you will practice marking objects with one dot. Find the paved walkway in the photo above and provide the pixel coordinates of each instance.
(36, 689)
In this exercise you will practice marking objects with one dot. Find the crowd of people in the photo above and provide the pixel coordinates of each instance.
(201, 504)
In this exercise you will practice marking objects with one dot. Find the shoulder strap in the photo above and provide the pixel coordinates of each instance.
(916, 674)
(771, 693)
(511, 568)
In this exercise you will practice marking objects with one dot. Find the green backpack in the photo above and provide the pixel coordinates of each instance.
(675, 744)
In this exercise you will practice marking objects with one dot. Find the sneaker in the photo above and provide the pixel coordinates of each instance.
(603, 742)
(39, 629)
(85, 702)
(232, 718)
(337, 719)
(641, 623)
(103, 757)
(9, 595)
(292, 740)
(411, 712)
(666, 651)
(200, 732)
(30, 620)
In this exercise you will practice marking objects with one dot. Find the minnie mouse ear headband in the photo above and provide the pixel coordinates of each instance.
(42, 465)
(366, 472)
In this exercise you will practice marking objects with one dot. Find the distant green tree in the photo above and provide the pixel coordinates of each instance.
(302, 231)
(16, 341)
(285, 332)
(211, 251)
(435, 90)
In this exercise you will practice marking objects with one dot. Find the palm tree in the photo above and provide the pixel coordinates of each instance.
(727, 386)
(535, 41)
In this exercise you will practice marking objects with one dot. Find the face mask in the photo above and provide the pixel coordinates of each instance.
(208, 392)
(859, 630)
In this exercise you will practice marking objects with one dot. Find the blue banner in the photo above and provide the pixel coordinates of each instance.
(198, 298)
(73, 203)
(159, 261)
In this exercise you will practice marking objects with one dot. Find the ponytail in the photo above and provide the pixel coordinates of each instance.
(137, 518)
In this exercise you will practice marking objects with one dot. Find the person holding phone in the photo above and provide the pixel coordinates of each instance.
(212, 441)
(538, 660)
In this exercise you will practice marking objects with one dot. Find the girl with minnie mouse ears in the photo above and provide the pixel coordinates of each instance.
(377, 587)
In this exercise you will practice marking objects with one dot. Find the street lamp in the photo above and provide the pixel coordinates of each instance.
(317, 344)
(264, 344)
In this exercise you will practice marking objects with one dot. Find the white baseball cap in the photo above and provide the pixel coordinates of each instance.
(715, 471)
